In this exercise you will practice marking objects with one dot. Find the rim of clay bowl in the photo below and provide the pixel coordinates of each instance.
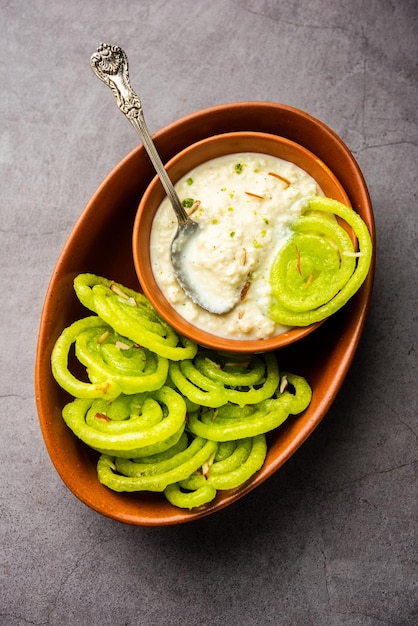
(178, 166)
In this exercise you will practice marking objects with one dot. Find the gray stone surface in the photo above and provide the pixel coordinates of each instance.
(331, 539)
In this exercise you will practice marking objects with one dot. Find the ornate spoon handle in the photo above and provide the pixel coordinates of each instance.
(110, 64)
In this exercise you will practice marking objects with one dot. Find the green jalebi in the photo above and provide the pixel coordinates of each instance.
(125, 475)
(114, 363)
(213, 379)
(319, 270)
(131, 315)
(129, 423)
(230, 422)
(231, 466)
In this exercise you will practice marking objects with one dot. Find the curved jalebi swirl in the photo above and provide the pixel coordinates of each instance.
(129, 424)
(191, 493)
(230, 422)
(125, 475)
(131, 315)
(244, 460)
(113, 357)
(212, 379)
(319, 270)
(232, 465)
(59, 361)
(114, 363)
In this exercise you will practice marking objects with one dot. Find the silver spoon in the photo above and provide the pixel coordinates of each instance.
(110, 64)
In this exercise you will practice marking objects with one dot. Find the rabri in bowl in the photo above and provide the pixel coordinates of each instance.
(245, 189)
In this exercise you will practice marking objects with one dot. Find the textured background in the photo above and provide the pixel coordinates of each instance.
(331, 539)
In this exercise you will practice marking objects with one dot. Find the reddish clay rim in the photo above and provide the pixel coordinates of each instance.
(180, 165)
(324, 357)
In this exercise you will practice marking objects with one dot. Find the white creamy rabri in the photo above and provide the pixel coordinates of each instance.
(245, 204)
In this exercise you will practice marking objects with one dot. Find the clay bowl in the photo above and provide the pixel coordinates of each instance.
(101, 243)
(179, 166)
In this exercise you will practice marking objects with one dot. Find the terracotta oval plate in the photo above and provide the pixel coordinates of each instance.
(101, 243)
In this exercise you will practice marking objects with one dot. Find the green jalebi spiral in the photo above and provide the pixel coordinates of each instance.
(114, 364)
(106, 388)
(230, 422)
(212, 379)
(319, 270)
(125, 475)
(234, 463)
(128, 424)
(130, 314)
